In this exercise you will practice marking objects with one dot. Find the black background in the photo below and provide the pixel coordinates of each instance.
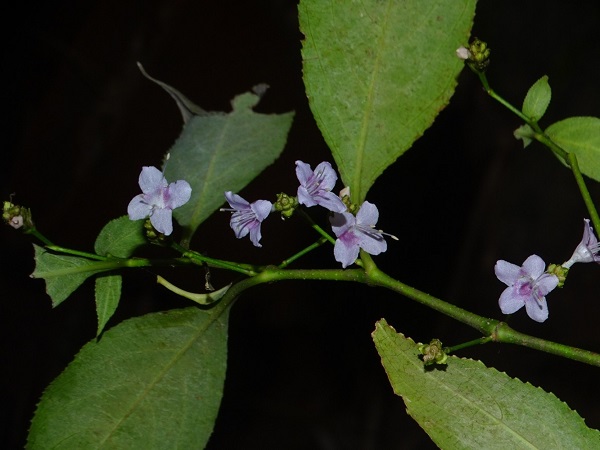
(79, 121)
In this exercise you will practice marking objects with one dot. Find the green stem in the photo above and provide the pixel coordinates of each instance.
(200, 259)
(490, 328)
(587, 199)
(499, 99)
(316, 227)
(301, 253)
(569, 158)
(68, 251)
(507, 335)
(40, 236)
(483, 340)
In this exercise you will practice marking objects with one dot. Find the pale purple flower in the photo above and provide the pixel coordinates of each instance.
(315, 187)
(528, 286)
(588, 249)
(158, 199)
(247, 217)
(354, 233)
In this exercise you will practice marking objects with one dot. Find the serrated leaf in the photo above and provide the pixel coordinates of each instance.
(580, 135)
(120, 237)
(108, 294)
(377, 73)
(537, 99)
(469, 406)
(63, 274)
(152, 382)
(218, 152)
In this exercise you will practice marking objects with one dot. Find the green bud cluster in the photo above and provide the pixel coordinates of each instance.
(560, 272)
(433, 353)
(286, 205)
(479, 58)
(17, 216)
(153, 235)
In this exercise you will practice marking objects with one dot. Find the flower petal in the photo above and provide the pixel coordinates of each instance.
(507, 272)
(326, 175)
(537, 310)
(303, 172)
(138, 208)
(341, 222)
(255, 234)
(179, 194)
(372, 243)
(304, 198)
(546, 283)
(261, 209)
(236, 202)
(151, 179)
(162, 220)
(328, 200)
(534, 266)
(345, 252)
(510, 301)
(368, 214)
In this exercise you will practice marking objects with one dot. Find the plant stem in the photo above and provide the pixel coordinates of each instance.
(483, 340)
(316, 227)
(569, 158)
(200, 259)
(587, 199)
(301, 253)
(493, 330)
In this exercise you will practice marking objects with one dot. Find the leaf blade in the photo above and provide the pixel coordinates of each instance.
(580, 135)
(151, 382)
(377, 74)
(120, 237)
(63, 274)
(218, 152)
(108, 294)
(537, 99)
(468, 405)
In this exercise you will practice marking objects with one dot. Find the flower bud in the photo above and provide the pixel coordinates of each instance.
(17, 216)
(477, 55)
(286, 205)
(433, 353)
(561, 273)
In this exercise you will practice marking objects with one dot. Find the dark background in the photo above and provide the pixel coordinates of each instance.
(79, 121)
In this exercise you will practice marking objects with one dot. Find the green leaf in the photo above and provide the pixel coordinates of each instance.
(377, 73)
(580, 135)
(218, 152)
(537, 99)
(120, 237)
(525, 133)
(63, 274)
(469, 406)
(152, 382)
(108, 294)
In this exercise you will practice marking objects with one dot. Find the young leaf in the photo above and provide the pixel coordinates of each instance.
(377, 73)
(108, 294)
(63, 274)
(151, 382)
(469, 406)
(218, 152)
(537, 99)
(580, 135)
(120, 237)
